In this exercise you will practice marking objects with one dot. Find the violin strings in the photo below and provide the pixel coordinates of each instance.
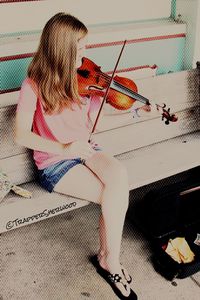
(122, 86)
(138, 96)
(108, 78)
(125, 88)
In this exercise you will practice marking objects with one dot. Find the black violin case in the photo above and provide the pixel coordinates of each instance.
(169, 212)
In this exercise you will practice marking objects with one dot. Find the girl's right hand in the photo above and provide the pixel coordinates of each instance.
(79, 149)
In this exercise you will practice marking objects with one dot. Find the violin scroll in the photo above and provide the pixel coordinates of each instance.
(167, 116)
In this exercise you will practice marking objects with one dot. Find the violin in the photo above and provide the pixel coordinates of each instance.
(122, 94)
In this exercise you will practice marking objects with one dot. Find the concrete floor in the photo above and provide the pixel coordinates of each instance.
(48, 260)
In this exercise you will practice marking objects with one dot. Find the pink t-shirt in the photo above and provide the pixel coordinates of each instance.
(65, 127)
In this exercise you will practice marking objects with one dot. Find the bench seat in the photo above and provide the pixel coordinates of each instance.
(16, 211)
(151, 163)
(161, 160)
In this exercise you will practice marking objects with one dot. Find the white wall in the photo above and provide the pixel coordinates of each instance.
(25, 16)
(196, 56)
(190, 12)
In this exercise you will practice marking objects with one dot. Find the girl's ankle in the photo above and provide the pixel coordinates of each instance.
(108, 262)
(101, 254)
(113, 264)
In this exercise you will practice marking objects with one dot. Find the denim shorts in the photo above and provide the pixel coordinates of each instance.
(50, 176)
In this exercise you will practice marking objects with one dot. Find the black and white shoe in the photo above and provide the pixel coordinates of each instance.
(112, 279)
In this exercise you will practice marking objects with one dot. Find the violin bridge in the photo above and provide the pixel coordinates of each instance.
(135, 112)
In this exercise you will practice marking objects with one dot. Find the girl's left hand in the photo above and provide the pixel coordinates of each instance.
(94, 144)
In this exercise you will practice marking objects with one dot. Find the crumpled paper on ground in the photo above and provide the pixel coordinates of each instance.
(179, 250)
(6, 186)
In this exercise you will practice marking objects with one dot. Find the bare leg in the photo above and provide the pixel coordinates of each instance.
(114, 199)
(102, 237)
(80, 182)
(114, 206)
(108, 185)
(102, 254)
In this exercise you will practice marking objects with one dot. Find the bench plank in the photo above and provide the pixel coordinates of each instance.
(133, 136)
(17, 161)
(16, 211)
(179, 87)
(186, 116)
(162, 160)
(20, 168)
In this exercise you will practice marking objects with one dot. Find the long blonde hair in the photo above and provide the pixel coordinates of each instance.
(53, 67)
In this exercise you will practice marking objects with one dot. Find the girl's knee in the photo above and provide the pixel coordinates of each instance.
(109, 169)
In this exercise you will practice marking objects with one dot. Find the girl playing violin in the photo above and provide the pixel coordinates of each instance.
(54, 121)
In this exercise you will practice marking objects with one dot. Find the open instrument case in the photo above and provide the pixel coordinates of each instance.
(169, 212)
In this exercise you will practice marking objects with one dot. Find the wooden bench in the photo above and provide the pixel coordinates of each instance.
(148, 148)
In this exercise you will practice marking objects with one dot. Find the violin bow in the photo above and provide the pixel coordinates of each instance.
(106, 92)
